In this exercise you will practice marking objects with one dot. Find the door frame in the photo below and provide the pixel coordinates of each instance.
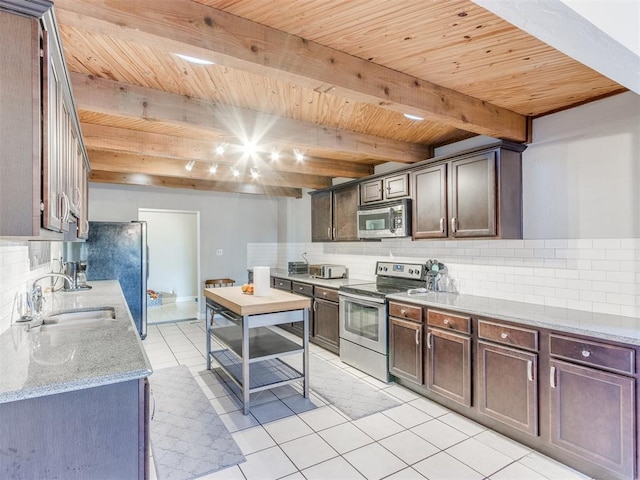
(197, 233)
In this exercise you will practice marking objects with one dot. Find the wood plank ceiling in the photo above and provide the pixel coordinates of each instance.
(328, 78)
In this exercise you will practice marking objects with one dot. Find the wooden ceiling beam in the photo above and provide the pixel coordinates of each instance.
(99, 137)
(134, 102)
(115, 162)
(201, 31)
(144, 180)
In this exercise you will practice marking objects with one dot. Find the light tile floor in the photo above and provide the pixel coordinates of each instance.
(286, 436)
(171, 312)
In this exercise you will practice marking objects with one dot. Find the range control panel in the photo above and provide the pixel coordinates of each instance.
(413, 271)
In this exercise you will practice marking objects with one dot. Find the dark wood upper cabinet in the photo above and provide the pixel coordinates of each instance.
(430, 202)
(345, 213)
(473, 206)
(42, 154)
(322, 216)
(334, 214)
(386, 188)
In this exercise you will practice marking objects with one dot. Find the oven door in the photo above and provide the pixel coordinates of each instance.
(363, 321)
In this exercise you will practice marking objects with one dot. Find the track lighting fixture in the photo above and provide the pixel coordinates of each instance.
(189, 166)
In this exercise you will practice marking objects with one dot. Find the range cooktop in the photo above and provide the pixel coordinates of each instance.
(391, 277)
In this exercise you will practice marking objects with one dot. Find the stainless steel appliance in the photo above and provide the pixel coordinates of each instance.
(74, 258)
(385, 219)
(327, 271)
(118, 251)
(297, 268)
(363, 316)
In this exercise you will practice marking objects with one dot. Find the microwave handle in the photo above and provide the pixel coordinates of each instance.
(391, 226)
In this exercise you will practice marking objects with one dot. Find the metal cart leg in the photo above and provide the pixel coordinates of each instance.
(208, 321)
(246, 383)
(305, 353)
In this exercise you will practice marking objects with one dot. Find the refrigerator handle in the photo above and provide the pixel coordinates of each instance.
(147, 262)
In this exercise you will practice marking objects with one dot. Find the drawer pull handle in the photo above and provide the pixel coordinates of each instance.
(324, 294)
(446, 321)
(530, 370)
(403, 312)
(429, 340)
(453, 225)
(503, 335)
(417, 336)
(315, 306)
(586, 353)
(442, 225)
(552, 377)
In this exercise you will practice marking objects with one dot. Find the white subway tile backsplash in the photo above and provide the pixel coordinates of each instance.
(600, 275)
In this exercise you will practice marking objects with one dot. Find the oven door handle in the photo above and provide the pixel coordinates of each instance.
(363, 299)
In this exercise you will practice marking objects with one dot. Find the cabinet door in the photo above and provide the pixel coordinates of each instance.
(326, 324)
(448, 365)
(430, 202)
(371, 191)
(405, 349)
(52, 142)
(473, 196)
(345, 213)
(322, 217)
(508, 386)
(396, 186)
(592, 415)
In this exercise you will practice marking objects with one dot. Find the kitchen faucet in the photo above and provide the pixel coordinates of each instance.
(36, 291)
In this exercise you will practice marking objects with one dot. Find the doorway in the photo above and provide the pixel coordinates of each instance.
(173, 237)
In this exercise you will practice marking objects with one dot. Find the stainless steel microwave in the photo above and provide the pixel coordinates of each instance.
(385, 219)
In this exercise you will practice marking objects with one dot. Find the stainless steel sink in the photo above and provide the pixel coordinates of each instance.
(80, 316)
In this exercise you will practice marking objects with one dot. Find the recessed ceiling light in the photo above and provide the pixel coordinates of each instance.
(197, 61)
(413, 117)
(189, 166)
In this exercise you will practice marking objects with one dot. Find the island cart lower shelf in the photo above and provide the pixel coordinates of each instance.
(240, 340)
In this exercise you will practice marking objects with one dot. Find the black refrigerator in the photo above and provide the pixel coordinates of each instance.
(118, 251)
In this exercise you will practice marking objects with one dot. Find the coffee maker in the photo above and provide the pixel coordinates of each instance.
(74, 259)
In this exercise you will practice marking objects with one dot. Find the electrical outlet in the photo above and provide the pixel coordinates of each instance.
(219, 251)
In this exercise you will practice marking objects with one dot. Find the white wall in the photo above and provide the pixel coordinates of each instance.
(581, 213)
(173, 252)
(227, 221)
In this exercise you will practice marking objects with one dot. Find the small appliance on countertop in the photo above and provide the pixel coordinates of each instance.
(297, 268)
(327, 271)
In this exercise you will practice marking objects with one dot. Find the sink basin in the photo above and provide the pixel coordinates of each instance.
(80, 316)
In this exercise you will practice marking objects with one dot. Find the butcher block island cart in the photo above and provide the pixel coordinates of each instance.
(241, 339)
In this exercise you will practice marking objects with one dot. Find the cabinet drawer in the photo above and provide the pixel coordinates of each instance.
(327, 294)
(508, 335)
(450, 321)
(609, 357)
(282, 284)
(402, 310)
(302, 289)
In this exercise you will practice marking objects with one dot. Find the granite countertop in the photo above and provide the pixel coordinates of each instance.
(597, 325)
(45, 361)
(322, 282)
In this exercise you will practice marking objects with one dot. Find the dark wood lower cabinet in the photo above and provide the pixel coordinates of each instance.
(405, 349)
(592, 415)
(326, 324)
(508, 386)
(448, 365)
(99, 432)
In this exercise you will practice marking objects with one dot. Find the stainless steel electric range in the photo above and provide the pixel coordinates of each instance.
(363, 316)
